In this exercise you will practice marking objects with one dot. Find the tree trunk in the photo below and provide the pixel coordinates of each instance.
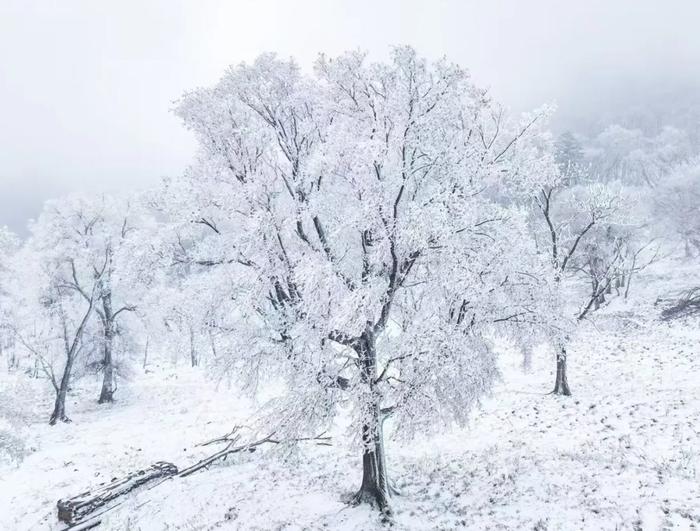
(71, 351)
(527, 359)
(107, 393)
(594, 290)
(212, 342)
(11, 357)
(145, 353)
(601, 299)
(375, 488)
(59, 408)
(193, 352)
(561, 384)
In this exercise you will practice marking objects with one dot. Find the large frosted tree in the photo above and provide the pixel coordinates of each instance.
(360, 228)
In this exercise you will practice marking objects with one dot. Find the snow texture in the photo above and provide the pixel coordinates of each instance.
(622, 453)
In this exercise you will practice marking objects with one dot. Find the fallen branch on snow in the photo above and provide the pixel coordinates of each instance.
(687, 304)
(233, 437)
(78, 511)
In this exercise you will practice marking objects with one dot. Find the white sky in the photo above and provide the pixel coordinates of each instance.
(86, 86)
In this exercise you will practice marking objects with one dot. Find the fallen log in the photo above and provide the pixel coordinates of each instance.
(79, 512)
(74, 510)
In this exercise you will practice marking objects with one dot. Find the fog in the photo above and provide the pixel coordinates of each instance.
(86, 89)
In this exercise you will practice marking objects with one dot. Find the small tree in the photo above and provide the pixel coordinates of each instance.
(569, 153)
(352, 226)
(184, 320)
(571, 217)
(9, 244)
(51, 318)
(71, 337)
(85, 256)
(100, 235)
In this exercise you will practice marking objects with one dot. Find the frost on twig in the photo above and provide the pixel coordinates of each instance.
(232, 440)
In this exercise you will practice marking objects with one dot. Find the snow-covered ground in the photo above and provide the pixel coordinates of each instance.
(622, 453)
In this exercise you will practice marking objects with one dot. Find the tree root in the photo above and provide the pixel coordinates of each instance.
(374, 498)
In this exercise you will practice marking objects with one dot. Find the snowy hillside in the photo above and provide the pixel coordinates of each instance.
(621, 453)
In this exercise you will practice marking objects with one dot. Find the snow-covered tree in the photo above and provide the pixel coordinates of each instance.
(187, 312)
(575, 225)
(9, 244)
(633, 158)
(184, 311)
(52, 317)
(83, 259)
(354, 224)
(677, 204)
(101, 234)
(569, 152)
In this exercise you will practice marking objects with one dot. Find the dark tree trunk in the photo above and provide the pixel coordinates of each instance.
(598, 295)
(59, 408)
(561, 384)
(594, 290)
(145, 353)
(375, 488)
(71, 346)
(107, 392)
(193, 352)
(11, 359)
